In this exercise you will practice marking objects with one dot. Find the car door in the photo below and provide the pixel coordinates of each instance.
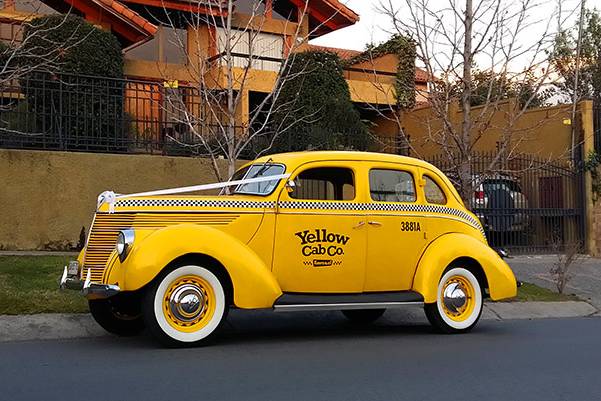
(321, 235)
(396, 227)
(436, 195)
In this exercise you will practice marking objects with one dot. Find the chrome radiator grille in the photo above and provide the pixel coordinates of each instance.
(101, 242)
(106, 227)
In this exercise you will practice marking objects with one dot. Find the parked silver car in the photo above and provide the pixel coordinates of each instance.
(498, 202)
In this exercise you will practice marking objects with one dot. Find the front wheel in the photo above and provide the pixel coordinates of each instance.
(118, 315)
(458, 304)
(185, 307)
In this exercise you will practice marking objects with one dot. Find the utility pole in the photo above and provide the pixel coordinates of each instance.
(576, 78)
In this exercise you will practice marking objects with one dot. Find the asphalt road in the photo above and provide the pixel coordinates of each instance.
(305, 356)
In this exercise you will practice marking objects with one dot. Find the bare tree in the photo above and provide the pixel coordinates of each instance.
(568, 256)
(456, 36)
(19, 57)
(225, 125)
(387, 107)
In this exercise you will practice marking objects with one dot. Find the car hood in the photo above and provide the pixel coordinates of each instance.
(187, 203)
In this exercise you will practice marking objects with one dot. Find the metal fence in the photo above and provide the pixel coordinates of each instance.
(98, 114)
(526, 204)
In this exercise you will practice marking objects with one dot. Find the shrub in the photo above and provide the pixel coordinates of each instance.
(70, 95)
(315, 108)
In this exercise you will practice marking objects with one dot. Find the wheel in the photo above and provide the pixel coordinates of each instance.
(118, 315)
(363, 316)
(459, 302)
(185, 306)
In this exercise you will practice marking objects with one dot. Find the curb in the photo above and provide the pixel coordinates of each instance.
(53, 326)
(39, 253)
(540, 310)
(48, 326)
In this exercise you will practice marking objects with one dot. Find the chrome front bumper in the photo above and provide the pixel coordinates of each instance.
(88, 289)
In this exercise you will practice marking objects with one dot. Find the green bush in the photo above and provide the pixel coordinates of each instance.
(314, 107)
(70, 95)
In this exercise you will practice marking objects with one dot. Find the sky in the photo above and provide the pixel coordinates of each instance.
(372, 26)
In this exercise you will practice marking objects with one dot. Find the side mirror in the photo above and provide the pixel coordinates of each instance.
(290, 185)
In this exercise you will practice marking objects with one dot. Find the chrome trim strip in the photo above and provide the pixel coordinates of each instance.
(342, 306)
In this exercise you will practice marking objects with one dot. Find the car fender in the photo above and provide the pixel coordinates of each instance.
(441, 252)
(253, 283)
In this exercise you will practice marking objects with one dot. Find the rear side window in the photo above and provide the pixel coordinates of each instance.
(391, 186)
(325, 183)
(434, 194)
(504, 185)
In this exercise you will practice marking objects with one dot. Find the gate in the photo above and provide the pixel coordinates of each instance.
(526, 205)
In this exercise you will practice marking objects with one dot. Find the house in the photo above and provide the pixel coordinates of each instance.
(165, 41)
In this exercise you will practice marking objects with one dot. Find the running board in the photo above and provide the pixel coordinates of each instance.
(373, 300)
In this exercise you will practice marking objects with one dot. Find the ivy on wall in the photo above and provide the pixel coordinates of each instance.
(405, 50)
(591, 165)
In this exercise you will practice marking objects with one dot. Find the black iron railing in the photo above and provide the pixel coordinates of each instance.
(526, 204)
(98, 114)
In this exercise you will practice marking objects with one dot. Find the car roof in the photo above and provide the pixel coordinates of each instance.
(297, 158)
(294, 159)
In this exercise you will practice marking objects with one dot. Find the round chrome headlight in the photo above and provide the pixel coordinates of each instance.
(125, 240)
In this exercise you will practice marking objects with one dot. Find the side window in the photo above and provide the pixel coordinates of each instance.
(391, 186)
(324, 183)
(434, 194)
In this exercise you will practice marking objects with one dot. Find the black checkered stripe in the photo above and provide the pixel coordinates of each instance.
(237, 204)
(387, 207)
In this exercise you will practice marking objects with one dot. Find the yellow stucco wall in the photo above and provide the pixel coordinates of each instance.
(538, 131)
(47, 197)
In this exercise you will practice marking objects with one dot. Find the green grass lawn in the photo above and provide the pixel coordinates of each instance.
(29, 284)
(531, 292)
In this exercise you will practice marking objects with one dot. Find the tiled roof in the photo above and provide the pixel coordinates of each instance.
(421, 75)
(345, 54)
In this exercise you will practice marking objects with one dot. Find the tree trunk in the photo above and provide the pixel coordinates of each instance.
(464, 153)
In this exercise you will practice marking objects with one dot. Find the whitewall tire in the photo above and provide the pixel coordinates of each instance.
(458, 303)
(186, 306)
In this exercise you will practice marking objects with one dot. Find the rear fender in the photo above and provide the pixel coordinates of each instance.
(449, 247)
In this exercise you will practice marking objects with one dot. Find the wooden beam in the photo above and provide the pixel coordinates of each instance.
(329, 22)
(178, 5)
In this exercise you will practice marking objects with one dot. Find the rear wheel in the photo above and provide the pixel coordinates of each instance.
(363, 316)
(118, 315)
(186, 306)
(459, 302)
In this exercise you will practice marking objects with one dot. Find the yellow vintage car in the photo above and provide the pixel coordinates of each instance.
(351, 231)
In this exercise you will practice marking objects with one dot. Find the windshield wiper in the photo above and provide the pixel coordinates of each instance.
(264, 167)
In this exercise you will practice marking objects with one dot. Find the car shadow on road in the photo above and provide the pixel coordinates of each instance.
(266, 327)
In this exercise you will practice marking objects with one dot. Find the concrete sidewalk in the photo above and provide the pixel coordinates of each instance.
(586, 271)
(64, 326)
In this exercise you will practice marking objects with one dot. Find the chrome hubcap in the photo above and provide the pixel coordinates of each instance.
(454, 297)
(187, 302)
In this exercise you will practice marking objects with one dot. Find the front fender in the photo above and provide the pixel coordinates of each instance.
(445, 249)
(253, 283)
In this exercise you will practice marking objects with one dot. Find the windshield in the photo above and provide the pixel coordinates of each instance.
(257, 171)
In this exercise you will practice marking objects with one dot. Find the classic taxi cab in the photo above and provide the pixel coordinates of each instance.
(350, 231)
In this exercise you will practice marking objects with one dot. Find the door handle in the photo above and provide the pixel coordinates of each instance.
(374, 223)
(360, 224)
